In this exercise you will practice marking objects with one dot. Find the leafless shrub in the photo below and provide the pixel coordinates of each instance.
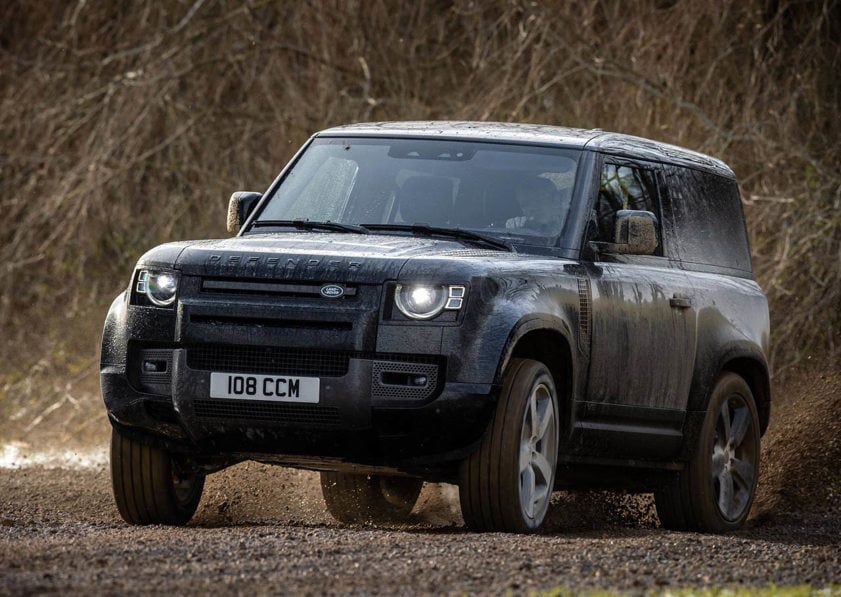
(127, 124)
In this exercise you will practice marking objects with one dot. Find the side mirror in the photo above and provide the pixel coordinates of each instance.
(240, 207)
(635, 234)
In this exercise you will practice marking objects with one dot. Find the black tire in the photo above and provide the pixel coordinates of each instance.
(506, 485)
(715, 491)
(359, 498)
(149, 486)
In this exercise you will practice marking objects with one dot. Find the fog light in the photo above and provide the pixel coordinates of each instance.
(154, 366)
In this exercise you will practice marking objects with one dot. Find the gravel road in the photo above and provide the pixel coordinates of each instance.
(264, 530)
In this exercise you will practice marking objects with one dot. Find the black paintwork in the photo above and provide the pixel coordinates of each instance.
(635, 341)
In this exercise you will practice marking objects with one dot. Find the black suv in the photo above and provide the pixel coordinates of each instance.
(512, 308)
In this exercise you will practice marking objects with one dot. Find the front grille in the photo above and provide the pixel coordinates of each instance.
(273, 288)
(271, 360)
(264, 322)
(268, 412)
(268, 360)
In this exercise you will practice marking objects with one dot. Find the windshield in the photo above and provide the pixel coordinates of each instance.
(517, 193)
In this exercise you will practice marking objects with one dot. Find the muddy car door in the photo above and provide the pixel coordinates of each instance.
(642, 340)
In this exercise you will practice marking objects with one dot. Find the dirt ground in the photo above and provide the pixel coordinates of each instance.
(264, 530)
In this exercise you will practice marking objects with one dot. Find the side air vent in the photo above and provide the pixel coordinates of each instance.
(585, 315)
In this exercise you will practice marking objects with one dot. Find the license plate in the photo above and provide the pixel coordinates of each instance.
(264, 387)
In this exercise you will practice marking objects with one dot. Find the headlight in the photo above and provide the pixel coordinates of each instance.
(424, 301)
(158, 286)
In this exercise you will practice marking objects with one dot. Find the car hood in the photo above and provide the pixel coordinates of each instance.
(319, 256)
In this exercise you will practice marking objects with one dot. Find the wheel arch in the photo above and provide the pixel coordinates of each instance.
(743, 359)
(546, 340)
(755, 373)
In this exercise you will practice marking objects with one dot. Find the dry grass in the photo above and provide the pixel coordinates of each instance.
(124, 125)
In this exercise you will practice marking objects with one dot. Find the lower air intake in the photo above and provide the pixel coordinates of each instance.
(268, 413)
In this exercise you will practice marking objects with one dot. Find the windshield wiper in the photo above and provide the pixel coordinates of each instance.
(457, 233)
(312, 225)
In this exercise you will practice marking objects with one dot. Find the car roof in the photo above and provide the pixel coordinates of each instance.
(538, 134)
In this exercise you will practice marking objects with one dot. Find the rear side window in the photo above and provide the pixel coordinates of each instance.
(708, 220)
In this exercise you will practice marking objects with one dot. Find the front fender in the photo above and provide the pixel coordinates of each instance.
(500, 313)
(115, 334)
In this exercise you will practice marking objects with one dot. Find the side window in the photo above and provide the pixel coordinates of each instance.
(624, 187)
(708, 218)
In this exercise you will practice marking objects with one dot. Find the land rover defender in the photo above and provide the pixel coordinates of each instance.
(509, 308)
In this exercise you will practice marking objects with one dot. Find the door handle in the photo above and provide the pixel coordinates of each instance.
(680, 302)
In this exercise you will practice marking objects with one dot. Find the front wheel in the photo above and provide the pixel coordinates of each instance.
(150, 486)
(715, 491)
(506, 485)
(359, 498)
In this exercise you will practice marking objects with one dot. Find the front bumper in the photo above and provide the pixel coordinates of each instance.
(358, 419)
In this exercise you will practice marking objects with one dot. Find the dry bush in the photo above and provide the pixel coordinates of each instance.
(124, 125)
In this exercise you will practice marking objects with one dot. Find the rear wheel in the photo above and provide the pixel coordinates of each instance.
(506, 485)
(150, 486)
(715, 491)
(356, 498)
